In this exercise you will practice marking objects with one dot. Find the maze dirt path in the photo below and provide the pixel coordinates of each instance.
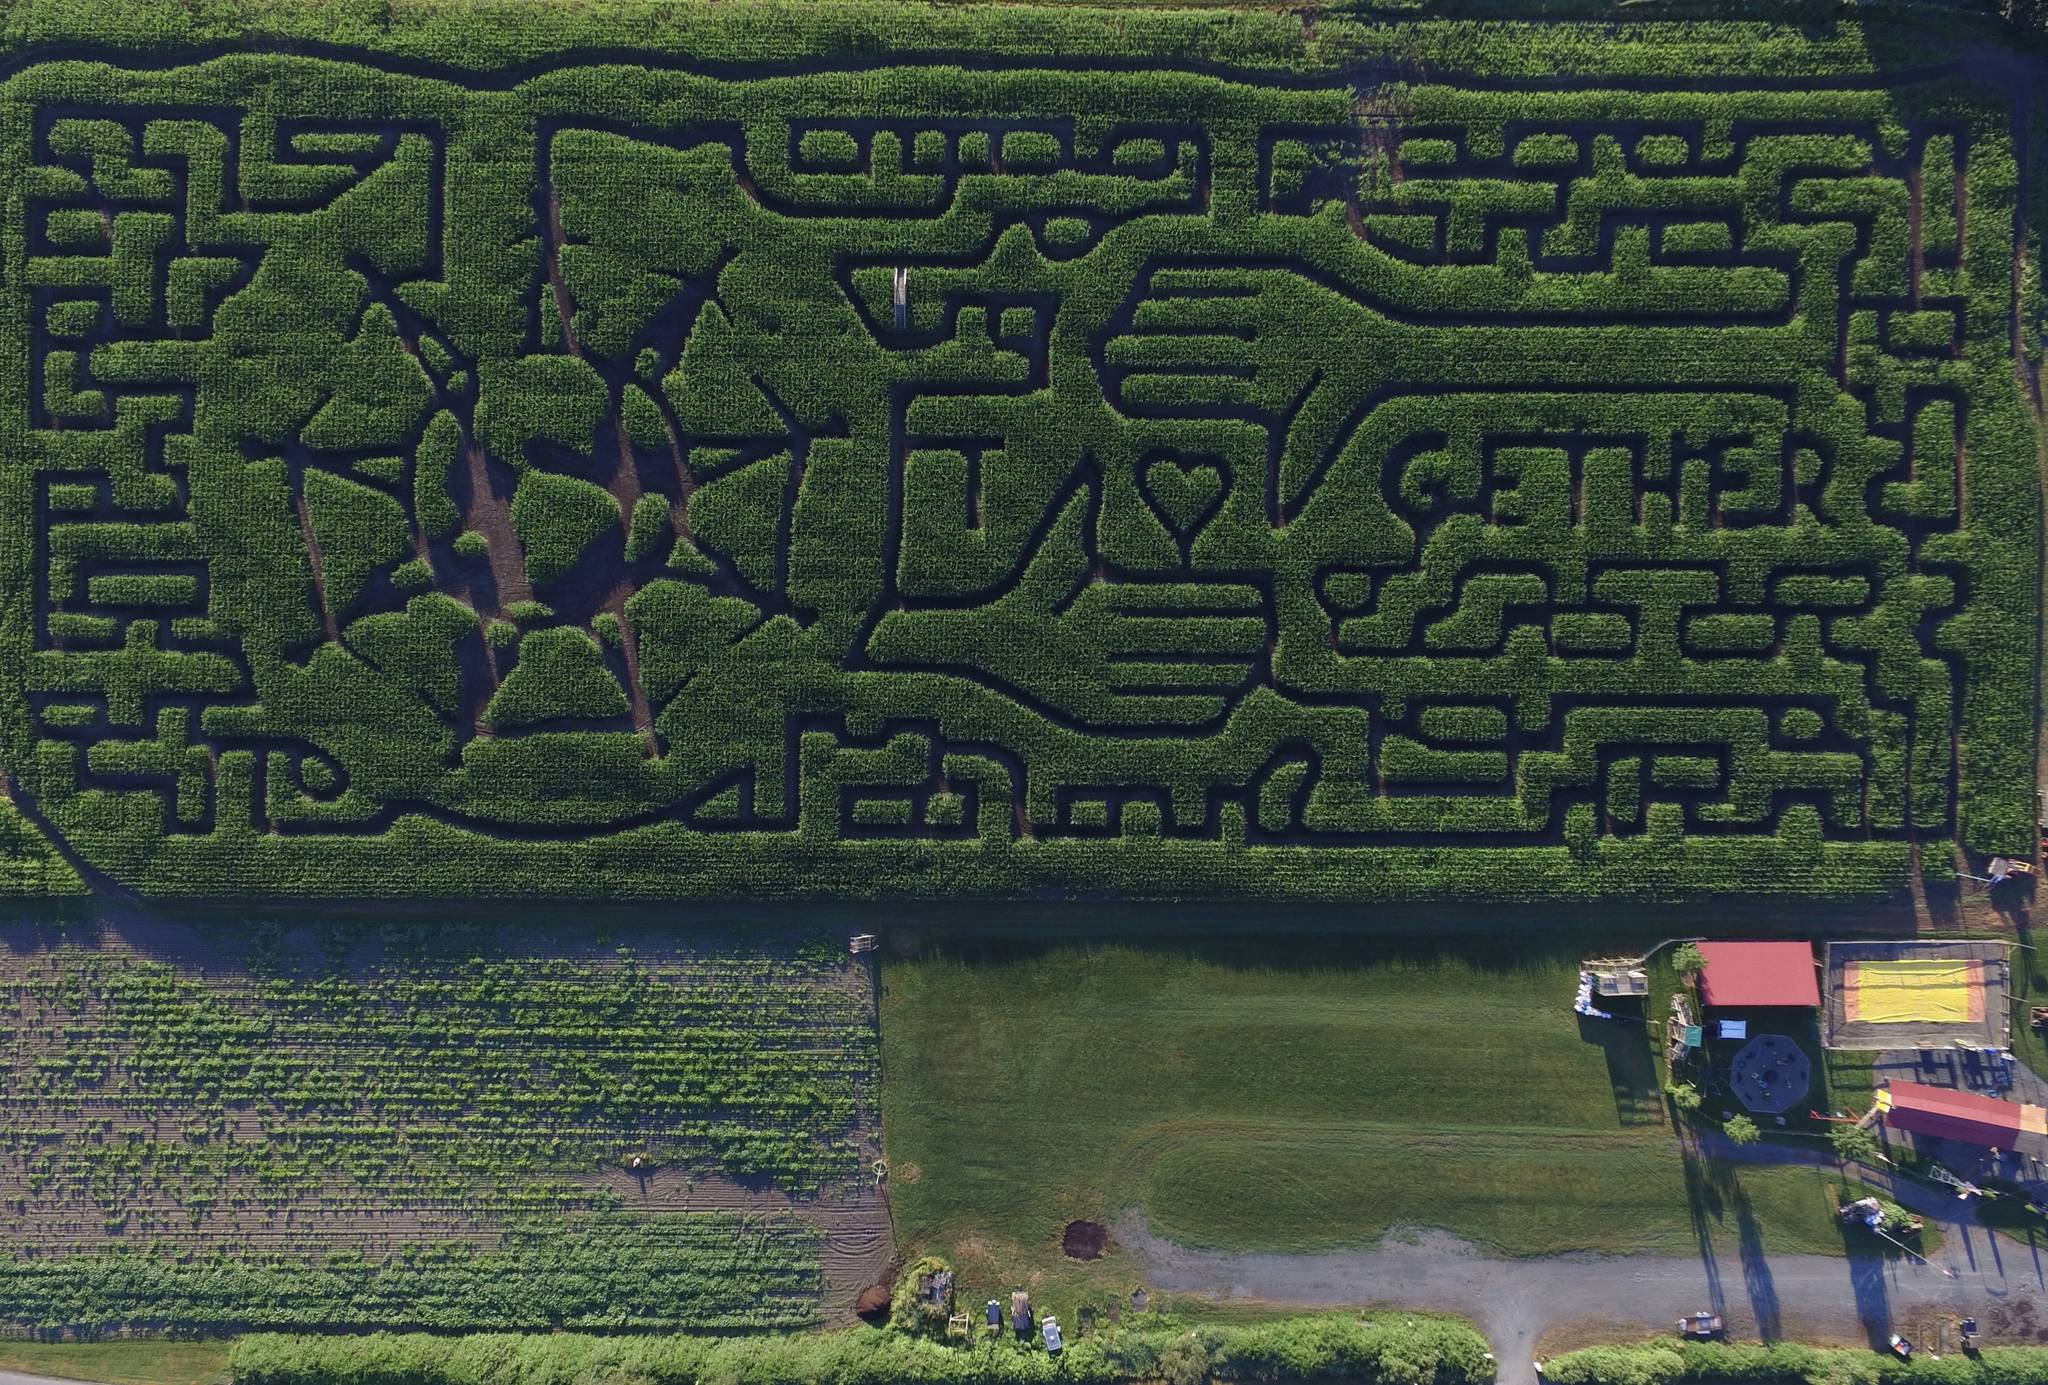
(1385, 491)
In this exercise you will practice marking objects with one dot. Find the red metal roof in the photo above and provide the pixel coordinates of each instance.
(1954, 1115)
(1759, 974)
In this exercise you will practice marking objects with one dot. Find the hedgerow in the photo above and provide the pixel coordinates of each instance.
(1389, 1350)
(1606, 488)
(1788, 1363)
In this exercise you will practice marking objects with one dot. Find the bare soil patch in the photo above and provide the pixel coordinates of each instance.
(873, 1302)
(1084, 1240)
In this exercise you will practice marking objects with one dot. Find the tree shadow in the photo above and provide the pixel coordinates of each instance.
(1715, 1196)
(1756, 1266)
(1704, 1202)
(1870, 1262)
(1869, 1279)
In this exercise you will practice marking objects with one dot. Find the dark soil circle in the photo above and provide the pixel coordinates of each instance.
(1084, 1240)
(873, 1301)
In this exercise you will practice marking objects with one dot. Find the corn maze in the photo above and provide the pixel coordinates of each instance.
(674, 478)
(482, 1132)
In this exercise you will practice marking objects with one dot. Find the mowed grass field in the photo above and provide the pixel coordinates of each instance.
(1293, 1097)
(120, 1363)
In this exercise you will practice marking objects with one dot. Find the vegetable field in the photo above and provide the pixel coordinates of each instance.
(826, 464)
(495, 1132)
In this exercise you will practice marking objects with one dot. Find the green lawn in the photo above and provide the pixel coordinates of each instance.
(1288, 1097)
(121, 1363)
(2029, 988)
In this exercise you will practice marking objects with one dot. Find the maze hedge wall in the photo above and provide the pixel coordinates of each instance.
(1214, 469)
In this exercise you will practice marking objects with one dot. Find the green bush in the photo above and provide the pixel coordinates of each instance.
(1784, 1363)
(1403, 1351)
(910, 1309)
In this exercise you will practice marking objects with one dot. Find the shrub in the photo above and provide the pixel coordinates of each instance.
(1411, 1351)
(1785, 1363)
(1854, 1145)
(911, 1309)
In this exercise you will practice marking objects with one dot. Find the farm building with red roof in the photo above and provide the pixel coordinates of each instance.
(1948, 1114)
(1759, 975)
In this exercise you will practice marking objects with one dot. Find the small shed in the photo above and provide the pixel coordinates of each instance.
(1020, 1312)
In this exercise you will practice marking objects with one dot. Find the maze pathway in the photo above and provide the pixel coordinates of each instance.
(645, 480)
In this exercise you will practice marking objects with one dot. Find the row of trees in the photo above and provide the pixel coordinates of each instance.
(1390, 1349)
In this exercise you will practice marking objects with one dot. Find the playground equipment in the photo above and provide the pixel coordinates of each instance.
(1964, 1189)
(1934, 990)
(1683, 1036)
(1917, 994)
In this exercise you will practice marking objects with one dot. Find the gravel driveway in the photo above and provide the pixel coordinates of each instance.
(1515, 1302)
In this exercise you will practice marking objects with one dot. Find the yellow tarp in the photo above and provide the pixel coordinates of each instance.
(1923, 992)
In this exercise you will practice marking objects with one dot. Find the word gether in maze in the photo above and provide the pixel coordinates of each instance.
(1227, 467)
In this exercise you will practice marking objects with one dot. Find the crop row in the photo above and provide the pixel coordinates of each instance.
(703, 1271)
(436, 1132)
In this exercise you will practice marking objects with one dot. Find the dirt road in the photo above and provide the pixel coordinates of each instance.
(1516, 1302)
